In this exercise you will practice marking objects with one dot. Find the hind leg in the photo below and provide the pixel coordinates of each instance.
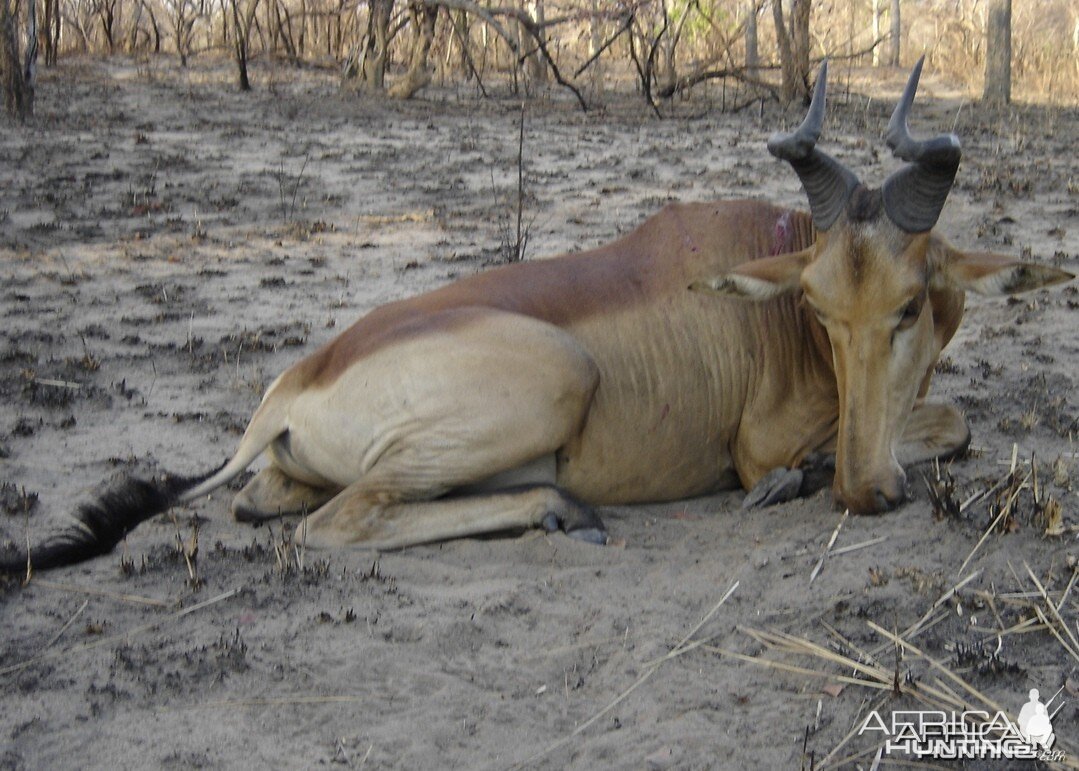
(357, 517)
(273, 493)
(476, 411)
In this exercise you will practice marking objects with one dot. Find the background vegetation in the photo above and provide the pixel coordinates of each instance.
(664, 47)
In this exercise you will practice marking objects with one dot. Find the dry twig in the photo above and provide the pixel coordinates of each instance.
(76, 649)
(678, 650)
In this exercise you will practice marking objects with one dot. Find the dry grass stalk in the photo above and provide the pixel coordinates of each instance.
(939, 667)
(301, 550)
(552, 652)
(290, 554)
(58, 383)
(131, 598)
(849, 645)
(1005, 510)
(876, 676)
(916, 627)
(1023, 627)
(274, 701)
(796, 670)
(942, 492)
(142, 629)
(1073, 647)
(981, 495)
(828, 761)
(66, 626)
(828, 548)
(678, 650)
(945, 691)
(1068, 589)
(1037, 620)
(190, 550)
(860, 545)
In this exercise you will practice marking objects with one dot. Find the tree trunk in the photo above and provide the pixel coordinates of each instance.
(876, 33)
(179, 23)
(417, 76)
(283, 32)
(783, 42)
(793, 48)
(800, 43)
(459, 20)
(30, 60)
(133, 37)
(752, 56)
(537, 67)
(106, 15)
(998, 53)
(242, 19)
(153, 26)
(52, 31)
(897, 31)
(17, 99)
(375, 54)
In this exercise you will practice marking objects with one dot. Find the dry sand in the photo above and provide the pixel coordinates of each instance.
(167, 246)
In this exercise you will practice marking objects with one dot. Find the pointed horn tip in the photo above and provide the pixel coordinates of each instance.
(820, 89)
(915, 74)
(912, 83)
(898, 131)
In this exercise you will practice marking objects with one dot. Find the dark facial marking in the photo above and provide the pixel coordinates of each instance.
(864, 205)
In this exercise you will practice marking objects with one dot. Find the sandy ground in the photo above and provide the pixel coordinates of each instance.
(167, 246)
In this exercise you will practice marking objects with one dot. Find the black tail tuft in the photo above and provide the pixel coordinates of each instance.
(102, 524)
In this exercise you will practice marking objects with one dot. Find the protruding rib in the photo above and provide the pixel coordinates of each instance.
(915, 194)
(827, 182)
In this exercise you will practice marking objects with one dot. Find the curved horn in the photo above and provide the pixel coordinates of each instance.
(827, 182)
(915, 194)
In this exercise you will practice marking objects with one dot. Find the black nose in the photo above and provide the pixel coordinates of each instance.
(883, 502)
(886, 500)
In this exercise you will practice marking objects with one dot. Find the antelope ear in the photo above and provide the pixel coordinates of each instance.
(989, 274)
(760, 279)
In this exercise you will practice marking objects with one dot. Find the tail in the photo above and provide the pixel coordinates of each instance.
(102, 524)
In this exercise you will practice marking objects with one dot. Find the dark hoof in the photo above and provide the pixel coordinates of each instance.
(247, 516)
(577, 520)
(593, 535)
(819, 470)
(777, 486)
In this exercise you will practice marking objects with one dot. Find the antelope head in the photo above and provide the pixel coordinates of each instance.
(874, 279)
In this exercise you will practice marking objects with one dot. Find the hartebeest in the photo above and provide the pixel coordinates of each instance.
(517, 397)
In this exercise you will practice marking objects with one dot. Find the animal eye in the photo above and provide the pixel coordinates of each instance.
(911, 313)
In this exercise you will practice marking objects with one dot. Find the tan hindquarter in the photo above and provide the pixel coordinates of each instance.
(473, 392)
